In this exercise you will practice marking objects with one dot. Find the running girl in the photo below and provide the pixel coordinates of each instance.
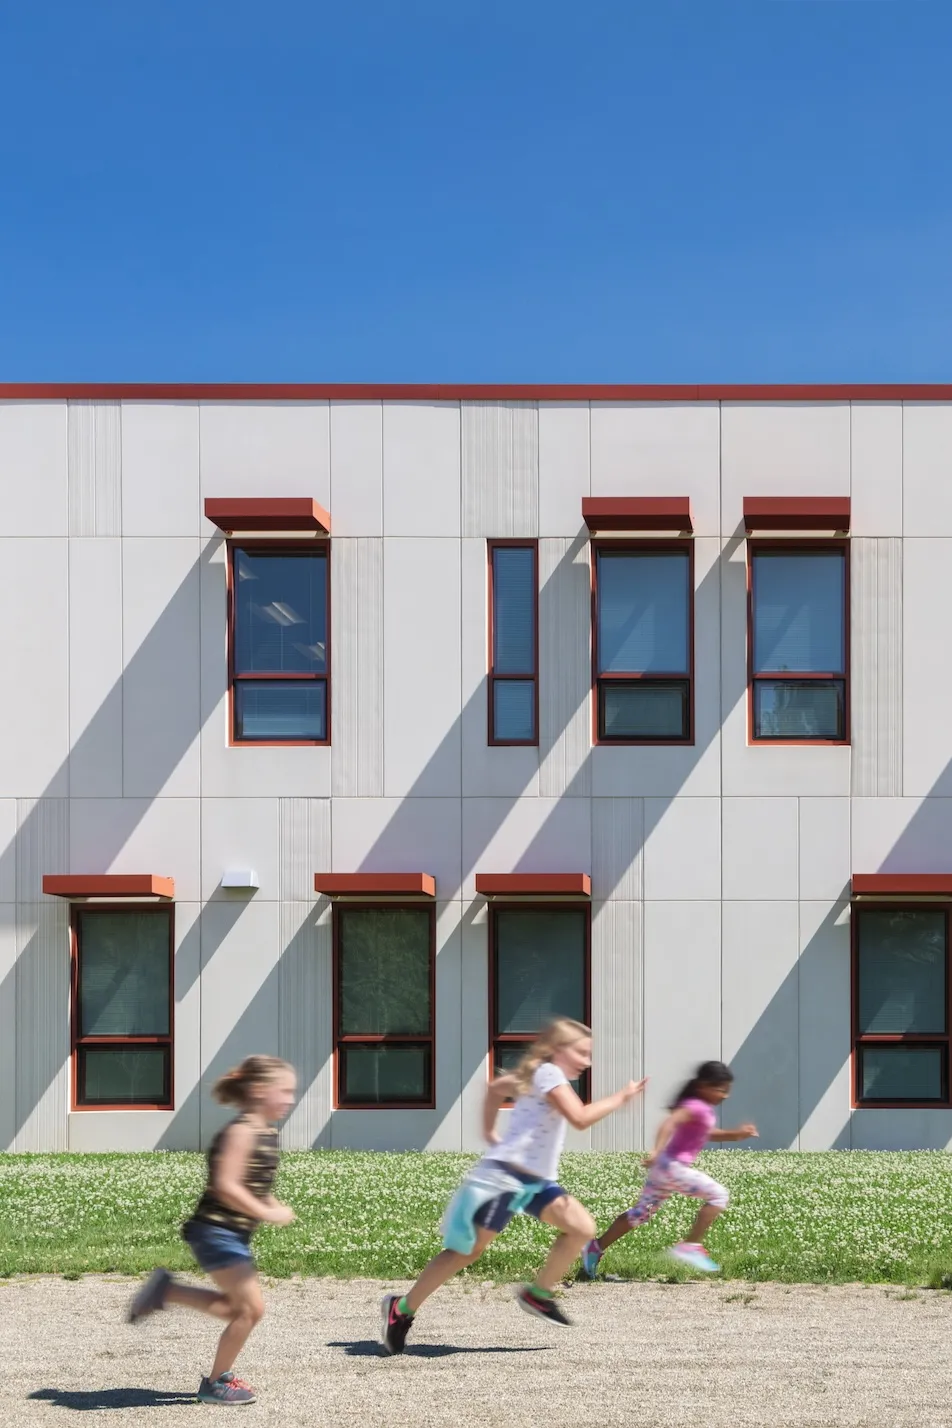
(242, 1165)
(671, 1170)
(518, 1174)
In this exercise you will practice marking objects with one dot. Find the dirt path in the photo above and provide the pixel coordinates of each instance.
(712, 1355)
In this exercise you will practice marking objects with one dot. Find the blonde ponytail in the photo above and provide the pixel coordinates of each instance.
(233, 1089)
(563, 1031)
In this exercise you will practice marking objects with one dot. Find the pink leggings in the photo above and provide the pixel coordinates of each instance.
(671, 1177)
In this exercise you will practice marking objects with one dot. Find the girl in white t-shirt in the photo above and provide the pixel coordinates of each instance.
(518, 1173)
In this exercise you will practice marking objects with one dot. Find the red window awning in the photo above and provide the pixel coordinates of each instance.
(294, 514)
(898, 885)
(796, 513)
(637, 513)
(375, 884)
(83, 887)
(534, 884)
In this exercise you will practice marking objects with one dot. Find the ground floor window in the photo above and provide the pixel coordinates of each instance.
(901, 1006)
(539, 969)
(384, 971)
(122, 1007)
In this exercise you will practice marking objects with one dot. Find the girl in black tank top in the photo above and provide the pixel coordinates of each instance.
(242, 1166)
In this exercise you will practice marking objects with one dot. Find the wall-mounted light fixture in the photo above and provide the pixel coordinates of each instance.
(240, 878)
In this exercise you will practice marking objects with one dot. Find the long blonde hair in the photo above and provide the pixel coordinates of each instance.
(563, 1031)
(233, 1088)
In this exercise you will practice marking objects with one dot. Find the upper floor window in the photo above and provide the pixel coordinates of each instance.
(643, 644)
(279, 656)
(799, 622)
(122, 1007)
(513, 643)
(384, 969)
(901, 1005)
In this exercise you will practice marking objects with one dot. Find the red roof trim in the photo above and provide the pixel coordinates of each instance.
(272, 513)
(637, 513)
(529, 884)
(797, 513)
(131, 885)
(375, 884)
(902, 884)
(473, 392)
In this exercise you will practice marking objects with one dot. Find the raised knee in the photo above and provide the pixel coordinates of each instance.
(720, 1199)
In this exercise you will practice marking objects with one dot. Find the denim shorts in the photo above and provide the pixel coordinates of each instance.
(495, 1214)
(216, 1247)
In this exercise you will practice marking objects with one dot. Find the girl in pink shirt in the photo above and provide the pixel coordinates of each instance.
(671, 1170)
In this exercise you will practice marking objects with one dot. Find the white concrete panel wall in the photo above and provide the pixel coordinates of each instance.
(95, 668)
(565, 669)
(682, 998)
(876, 670)
(781, 449)
(95, 468)
(422, 668)
(617, 985)
(357, 669)
(720, 871)
(34, 751)
(926, 674)
(564, 466)
(160, 469)
(666, 449)
(33, 468)
(500, 469)
(271, 448)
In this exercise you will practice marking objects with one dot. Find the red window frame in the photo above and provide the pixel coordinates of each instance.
(942, 1040)
(427, 1039)
(641, 547)
(499, 1039)
(794, 547)
(492, 546)
(276, 547)
(78, 1041)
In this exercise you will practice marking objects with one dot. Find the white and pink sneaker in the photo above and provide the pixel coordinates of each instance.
(695, 1256)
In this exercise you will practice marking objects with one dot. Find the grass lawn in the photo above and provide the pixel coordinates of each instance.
(798, 1217)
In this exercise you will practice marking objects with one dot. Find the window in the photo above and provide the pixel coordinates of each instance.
(513, 643)
(901, 1005)
(539, 969)
(384, 966)
(122, 1007)
(644, 643)
(798, 605)
(279, 657)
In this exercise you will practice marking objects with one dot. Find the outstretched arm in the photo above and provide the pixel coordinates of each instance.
(580, 1116)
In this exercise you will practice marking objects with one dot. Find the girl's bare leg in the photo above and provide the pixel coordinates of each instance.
(442, 1267)
(705, 1219)
(206, 1301)
(576, 1228)
(240, 1286)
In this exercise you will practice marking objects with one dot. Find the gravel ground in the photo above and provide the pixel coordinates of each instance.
(705, 1354)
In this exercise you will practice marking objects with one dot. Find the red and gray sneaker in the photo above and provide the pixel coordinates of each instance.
(542, 1305)
(227, 1389)
(394, 1326)
(151, 1297)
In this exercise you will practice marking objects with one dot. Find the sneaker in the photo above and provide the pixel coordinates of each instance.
(227, 1389)
(543, 1308)
(394, 1326)
(695, 1256)
(591, 1255)
(150, 1297)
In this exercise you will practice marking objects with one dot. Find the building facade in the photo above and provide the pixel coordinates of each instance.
(369, 727)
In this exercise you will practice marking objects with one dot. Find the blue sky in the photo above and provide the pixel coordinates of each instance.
(465, 190)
